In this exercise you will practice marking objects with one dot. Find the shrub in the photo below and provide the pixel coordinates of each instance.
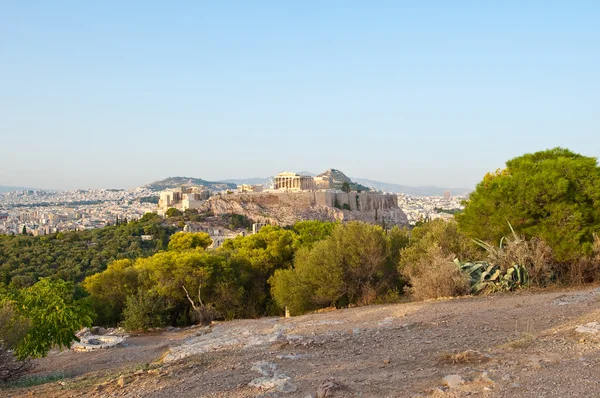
(444, 235)
(583, 270)
(436, 276)
(533, 254)
(143, 311)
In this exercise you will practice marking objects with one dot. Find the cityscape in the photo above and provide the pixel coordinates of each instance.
(46, 212)
(172, 224)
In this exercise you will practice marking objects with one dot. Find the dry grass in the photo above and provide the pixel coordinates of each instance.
(584, 270)
(523, 341)
(464, 357)
(436, 276)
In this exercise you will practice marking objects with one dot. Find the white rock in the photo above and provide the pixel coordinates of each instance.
(453, 381)
(265, 368)
(279, 382)
(592, 328)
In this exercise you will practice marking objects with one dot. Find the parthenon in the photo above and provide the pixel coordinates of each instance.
(295, 181)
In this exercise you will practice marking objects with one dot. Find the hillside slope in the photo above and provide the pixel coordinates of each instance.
(506, 345)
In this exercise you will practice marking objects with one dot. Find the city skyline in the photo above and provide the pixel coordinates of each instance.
(120, 95)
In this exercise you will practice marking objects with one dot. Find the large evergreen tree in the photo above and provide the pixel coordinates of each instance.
(553, 195)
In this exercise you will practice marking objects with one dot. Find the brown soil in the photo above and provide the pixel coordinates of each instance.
(506, 345)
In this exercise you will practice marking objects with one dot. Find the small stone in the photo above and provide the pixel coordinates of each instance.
(485, 378)
(278, 345)
(515, 385)
(487, 389)
(386, 361)
(506, 377)
(265, 368)
(453, 381)
(329, 387)
(121, 382)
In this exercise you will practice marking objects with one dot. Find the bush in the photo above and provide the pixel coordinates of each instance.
(534, 255)
(444, 235)
(143, 311)
(583, 270)
(436, 276)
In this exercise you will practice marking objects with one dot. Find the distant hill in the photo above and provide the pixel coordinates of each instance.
(250, 181)
(176, 182)
(414, 191)
(337, 179)
(4, 189)
(261, 180)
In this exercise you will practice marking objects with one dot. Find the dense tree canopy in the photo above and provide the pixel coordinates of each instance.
(553, 195)
(188, 241)
(72, 256)
(354, 265)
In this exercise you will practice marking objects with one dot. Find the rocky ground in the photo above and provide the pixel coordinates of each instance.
(507, 345)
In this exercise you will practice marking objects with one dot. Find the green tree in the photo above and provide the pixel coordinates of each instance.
(553, 195)
(24, 231)
(13, 328)
(181, 241)
(109, 290)
(143, 310)
(349, 267)
(310, 232)
(317, 280)
(173, 212)
(346, 187)
(54, 316)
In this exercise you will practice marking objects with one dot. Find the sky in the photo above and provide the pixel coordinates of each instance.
(118, 94)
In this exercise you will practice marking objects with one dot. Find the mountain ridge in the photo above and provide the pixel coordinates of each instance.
(7, 188)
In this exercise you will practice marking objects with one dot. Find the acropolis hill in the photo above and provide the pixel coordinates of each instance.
(287, 208)
(291, 198)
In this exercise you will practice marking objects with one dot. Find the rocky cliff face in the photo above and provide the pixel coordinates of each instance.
(287, 208)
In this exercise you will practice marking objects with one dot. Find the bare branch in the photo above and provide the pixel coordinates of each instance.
(189, 298)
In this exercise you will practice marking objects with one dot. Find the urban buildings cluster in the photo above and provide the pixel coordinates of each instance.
(424, 208)
(46, 212)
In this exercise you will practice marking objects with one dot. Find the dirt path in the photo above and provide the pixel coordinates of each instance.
(506, 345)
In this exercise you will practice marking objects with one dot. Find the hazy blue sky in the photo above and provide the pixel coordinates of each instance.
(118, 94)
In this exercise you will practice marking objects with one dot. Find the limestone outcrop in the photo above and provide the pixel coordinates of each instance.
(287, 208)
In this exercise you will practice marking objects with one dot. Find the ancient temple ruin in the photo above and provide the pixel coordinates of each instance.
(294, 181)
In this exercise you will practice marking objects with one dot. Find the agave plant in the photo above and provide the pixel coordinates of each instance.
(488, 278)
(515, 277)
